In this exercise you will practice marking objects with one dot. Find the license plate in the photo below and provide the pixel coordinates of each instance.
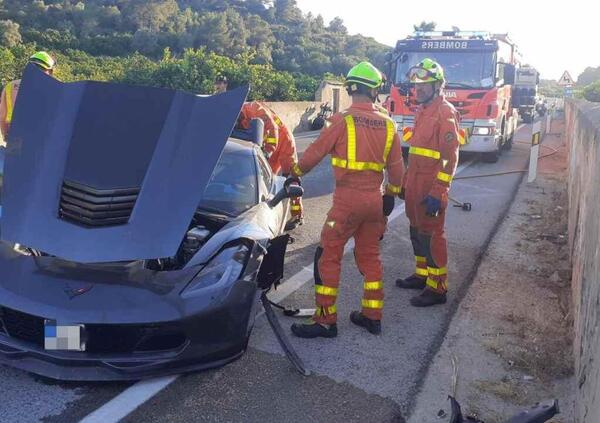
(59, 337)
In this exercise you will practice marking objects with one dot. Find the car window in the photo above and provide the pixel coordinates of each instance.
(233, 186)
(265, 172)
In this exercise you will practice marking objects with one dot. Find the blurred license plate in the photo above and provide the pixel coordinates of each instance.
(59, 337)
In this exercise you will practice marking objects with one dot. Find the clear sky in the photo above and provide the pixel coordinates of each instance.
(552, 36)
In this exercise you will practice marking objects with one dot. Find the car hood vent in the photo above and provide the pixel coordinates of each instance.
(93, 208)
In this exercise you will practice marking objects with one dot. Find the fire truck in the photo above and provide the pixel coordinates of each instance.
(480, 70)
(525, 92)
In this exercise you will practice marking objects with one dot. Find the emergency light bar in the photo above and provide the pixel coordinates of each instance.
(482, 35)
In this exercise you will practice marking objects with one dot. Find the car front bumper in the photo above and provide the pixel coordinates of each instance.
(134, 330)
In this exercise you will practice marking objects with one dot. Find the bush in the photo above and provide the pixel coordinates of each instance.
(194, 71)
(592, 92)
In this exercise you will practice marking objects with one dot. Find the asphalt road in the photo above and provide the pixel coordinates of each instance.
(357, 376)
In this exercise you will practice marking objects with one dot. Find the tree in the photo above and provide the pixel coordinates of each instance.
(260, 38)
(287, 11)
(588, 76)
(337, 26)
(272, 33)
(152, 16)
(9, 33)
(592, 92)
(425, 26)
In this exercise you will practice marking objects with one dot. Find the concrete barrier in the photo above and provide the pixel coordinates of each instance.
(297, 115)
(583, 137)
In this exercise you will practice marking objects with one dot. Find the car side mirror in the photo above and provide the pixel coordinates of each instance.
(257, 130)
(288, 191)
(254, 134)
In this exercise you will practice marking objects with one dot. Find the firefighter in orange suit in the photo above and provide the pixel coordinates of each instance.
(282, 160)
(433, 157)
(362, 142)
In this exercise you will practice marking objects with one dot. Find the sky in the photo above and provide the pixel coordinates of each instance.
(552, 37)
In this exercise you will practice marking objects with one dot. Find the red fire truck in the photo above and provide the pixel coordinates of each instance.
(480, 69)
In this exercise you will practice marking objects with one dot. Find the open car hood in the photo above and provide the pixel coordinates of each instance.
(98, 172)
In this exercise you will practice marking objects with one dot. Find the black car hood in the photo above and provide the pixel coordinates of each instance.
(101, 172)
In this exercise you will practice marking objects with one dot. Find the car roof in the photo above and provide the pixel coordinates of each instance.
(237, 146)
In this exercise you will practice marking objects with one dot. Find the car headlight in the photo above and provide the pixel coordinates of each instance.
(483, 130)
(224, 268)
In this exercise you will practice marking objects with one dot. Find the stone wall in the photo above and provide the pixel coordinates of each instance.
(583, 132)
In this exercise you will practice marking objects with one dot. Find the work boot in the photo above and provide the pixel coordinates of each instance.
(428, 298)
(312, 329)
(412, 282)
(359, 319)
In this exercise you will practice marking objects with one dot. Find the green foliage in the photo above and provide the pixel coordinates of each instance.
(274, 33)
(592, 92)
(10, 35)
(193, 71)
(588, 76)
(425, 26)
(550, 88)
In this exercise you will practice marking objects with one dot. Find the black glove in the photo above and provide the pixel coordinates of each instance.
(388, 204)
(292, 180)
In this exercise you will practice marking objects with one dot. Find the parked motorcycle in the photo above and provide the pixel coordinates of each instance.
(319, 122)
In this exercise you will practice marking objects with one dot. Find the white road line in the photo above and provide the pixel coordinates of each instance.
(129, 400)
(133, 397)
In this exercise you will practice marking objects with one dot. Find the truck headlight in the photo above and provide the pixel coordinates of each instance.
(483, 130)
(224, 268)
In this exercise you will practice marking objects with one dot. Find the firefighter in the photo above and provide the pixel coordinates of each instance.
(221, 84)
(362, 142)
(433, 157)
(282, 160)
(9, 94)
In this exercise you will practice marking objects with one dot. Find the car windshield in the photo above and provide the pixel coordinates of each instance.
(462, 69)
(233, 186)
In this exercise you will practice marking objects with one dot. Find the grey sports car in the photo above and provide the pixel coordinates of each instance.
(137, 236)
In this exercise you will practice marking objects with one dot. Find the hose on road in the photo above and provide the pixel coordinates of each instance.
(468, 206)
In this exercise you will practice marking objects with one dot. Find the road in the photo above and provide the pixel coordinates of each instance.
(356, 377)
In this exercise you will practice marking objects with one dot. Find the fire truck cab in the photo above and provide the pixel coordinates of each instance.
(479, 69)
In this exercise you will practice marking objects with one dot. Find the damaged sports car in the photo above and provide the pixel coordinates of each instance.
(137, 235)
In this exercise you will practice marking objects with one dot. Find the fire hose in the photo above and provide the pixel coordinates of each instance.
(468, 206)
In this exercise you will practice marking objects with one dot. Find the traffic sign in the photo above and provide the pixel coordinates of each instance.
(566, 80)
(568, 92)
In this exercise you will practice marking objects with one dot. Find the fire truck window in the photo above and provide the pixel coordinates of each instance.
(463, 69)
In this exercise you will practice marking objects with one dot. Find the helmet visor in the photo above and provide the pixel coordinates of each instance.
(418, 74)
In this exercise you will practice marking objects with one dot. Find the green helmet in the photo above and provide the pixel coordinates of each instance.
(427, 71)
(43, 59)
(365, 74)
